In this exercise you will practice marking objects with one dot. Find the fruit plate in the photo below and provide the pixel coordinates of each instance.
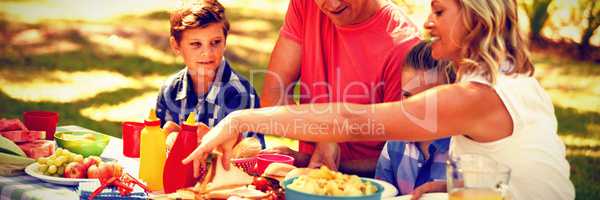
(32, 170)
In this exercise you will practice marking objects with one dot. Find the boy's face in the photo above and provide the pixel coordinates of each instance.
(201, 48)
(415, 81)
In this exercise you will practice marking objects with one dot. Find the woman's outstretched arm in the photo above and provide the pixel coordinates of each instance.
(437, 113)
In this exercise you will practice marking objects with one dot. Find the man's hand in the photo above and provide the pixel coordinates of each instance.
(327, 154)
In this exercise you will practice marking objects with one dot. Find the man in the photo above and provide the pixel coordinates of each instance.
(339, 50)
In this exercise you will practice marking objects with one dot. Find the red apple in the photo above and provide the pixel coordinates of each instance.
(104, 173)
(93, 172)
(117, 170)
(74, 170)
(105, 170)
(87, 162)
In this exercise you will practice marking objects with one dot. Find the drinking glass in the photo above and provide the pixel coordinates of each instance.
(476, 177)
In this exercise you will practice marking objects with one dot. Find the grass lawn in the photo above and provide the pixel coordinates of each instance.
(97, 74)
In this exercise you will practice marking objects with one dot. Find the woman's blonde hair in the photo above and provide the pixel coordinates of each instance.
(493, 37)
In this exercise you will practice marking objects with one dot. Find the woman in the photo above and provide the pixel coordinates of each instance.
(496, 108)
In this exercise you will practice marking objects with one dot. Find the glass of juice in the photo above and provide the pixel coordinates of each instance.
(476, 177)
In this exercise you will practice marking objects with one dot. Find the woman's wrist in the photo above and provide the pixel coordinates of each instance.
(236, 122)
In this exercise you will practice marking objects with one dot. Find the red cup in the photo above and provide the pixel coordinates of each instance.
(41, 121)
(131, 138)
(264, 160)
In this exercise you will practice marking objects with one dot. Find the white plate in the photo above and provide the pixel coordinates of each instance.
(32, 170)
(428, 196)
(389, 190)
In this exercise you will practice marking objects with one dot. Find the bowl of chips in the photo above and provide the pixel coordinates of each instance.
(324, 184)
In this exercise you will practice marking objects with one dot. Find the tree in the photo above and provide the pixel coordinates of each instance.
(537, 11)
(593, 22)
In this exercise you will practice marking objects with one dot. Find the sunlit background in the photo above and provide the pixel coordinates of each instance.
(99, 63)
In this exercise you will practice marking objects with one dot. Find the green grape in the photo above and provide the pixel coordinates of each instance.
(61, 170)
(42, 167)
(61, 160)
(52, 169)
(58, 152)
(66, 151)
(78, 158)
(70, 157)
(51, 162)
(42, 160)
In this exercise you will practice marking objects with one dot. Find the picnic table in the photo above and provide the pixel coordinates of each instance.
(24, 186)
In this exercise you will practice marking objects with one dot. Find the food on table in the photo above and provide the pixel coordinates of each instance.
(278, 171)
(64, 163)
(55, 164)
(11, 125)
(220, 183)
(28, 143)
(105, 170)
(86, 143)
(37, 149)
(298, 172)
(9, 158)
(153, 152)
(235, 177)
(12, 157)
(74, 170)
(14, 130)
(248, 147)
(331, 183)
(24, 135)
(244, 192)
(8, 146)
(88, 137)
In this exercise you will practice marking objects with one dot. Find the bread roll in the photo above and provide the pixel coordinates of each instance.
(248, 147)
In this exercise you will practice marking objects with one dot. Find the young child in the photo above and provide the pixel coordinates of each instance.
(207, 85)
(408, 165)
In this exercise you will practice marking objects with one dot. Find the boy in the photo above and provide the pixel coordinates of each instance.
(408, 165)
(207, 85)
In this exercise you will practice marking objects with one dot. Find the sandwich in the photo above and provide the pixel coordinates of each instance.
(219, 183)
(246, 148)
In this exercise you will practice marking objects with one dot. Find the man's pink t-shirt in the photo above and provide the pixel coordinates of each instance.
(360, 63)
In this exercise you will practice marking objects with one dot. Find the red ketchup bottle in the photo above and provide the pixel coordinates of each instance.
(176, 175)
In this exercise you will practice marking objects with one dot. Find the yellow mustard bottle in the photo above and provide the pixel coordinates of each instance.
(153, 152)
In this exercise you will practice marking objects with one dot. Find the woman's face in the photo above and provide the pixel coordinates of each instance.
(446, 29)
(202, 49)
(346, 12)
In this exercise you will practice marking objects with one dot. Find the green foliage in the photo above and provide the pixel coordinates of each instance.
(593, 18)
(537, 11)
